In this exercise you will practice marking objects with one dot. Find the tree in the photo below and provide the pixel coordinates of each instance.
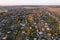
(58, 27)
(30, 18)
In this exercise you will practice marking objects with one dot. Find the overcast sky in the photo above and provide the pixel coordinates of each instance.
(29, 2)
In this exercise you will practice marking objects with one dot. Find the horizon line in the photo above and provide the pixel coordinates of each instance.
(29, 5)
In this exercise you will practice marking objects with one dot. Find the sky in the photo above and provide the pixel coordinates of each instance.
(29, 2)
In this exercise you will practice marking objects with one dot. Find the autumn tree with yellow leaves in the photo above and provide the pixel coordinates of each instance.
(58, 27)
(30, 18)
